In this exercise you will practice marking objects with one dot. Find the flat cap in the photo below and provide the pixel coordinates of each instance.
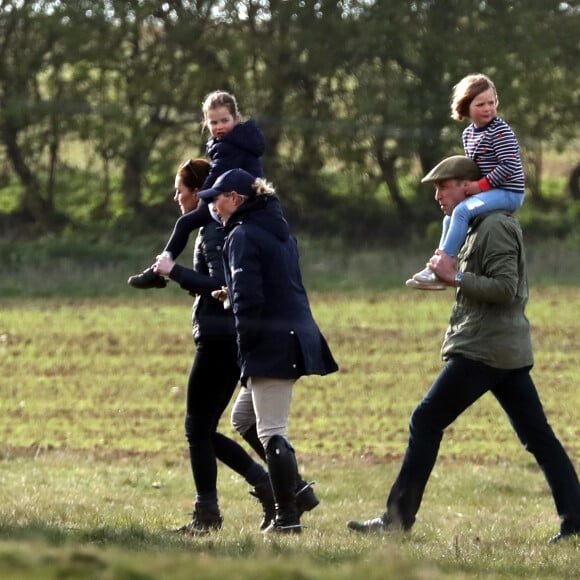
(454, 167)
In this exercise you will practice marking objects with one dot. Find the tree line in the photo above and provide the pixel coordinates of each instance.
(100, 99)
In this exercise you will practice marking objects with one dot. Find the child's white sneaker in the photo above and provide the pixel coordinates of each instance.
(426, 276)
(412, 283)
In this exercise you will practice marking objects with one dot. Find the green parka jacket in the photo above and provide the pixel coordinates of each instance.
(488, 321)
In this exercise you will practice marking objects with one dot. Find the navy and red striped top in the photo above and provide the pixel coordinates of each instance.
(496, 150)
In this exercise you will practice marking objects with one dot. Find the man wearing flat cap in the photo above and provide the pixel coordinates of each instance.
(453, 173)
(487, 347)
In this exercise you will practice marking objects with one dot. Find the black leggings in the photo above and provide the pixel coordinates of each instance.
(212, 381)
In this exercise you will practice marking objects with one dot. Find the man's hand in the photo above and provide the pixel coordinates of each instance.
(444, 266)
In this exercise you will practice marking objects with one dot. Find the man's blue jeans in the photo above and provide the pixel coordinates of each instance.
(458, 386)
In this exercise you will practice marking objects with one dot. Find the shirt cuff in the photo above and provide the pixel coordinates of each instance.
(484, 184)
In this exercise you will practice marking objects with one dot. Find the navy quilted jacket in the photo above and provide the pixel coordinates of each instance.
(277, 334)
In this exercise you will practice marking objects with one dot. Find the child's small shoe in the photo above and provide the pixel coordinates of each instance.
(425, 280)
(426, 276)
(147, 279)
(412, 283)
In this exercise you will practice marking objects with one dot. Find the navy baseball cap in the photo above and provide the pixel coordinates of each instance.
(236, 180)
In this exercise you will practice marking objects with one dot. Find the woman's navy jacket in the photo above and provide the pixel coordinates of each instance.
(276, 332)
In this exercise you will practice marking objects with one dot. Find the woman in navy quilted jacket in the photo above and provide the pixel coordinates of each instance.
(278, 338)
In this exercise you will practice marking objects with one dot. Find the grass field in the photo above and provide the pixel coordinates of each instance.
(93, 465)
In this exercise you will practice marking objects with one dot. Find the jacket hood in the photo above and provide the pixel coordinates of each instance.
(246, 136)
(263, 211)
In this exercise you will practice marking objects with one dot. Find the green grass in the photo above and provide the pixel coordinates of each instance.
(93, 464)
(103, 516)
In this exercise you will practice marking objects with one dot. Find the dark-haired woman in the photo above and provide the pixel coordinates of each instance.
(215, 373)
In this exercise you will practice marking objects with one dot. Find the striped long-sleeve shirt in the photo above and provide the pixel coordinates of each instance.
(496, 150)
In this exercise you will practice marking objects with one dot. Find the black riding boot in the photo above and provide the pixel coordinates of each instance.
(306, 499)
(251, 437)
(282, 467)
(265, 495)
